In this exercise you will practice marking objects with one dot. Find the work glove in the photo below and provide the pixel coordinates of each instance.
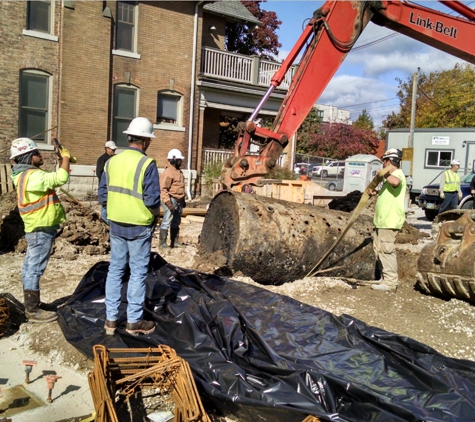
(63, 152)
(442, 195)
(460, 196)
(184, 204)
(170, 206)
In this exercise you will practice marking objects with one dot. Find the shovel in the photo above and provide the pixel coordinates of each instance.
(356, 212)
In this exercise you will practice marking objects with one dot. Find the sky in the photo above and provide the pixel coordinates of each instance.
(367, 77)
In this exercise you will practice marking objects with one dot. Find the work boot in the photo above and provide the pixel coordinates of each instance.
(174, 243)
(32, 308)
(141, 327)
(384, 288)
(162, 242)
(110, 327)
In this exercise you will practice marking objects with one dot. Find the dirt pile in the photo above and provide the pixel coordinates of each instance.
(83, 232)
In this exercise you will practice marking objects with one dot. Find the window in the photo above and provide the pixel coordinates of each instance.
(39, 16)
(125, 109)
(320, 113)
(125, 35)
(40, 20)
(169, 109)
(34, 104)
(438, 158)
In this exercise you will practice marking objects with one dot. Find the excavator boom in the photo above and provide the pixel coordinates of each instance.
(330, 36)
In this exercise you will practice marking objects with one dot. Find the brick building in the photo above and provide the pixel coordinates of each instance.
(85, 69)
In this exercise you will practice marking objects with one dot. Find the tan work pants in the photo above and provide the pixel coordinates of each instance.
(384, 245)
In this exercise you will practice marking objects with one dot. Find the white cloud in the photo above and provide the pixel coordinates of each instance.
(356, 93)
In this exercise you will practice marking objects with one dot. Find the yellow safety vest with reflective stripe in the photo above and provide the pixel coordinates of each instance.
(124, 176)
(452, 181)
(43, 212)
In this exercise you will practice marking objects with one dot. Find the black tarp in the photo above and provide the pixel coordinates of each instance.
(260, 356)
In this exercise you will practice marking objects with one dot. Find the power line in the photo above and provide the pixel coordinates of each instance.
(371, 102)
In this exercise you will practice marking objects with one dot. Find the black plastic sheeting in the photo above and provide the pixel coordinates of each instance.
(260, 356)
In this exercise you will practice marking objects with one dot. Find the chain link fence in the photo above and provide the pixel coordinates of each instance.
(327, 172)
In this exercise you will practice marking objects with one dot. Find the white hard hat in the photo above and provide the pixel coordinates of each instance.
(455, 162)
(111, 145)
(141, 127)
(175, 154)
(22, 146)
(392, 153)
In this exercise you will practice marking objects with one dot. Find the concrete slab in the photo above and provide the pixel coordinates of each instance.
(24, 402)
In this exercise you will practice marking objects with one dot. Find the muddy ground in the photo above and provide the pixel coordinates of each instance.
(446, 325)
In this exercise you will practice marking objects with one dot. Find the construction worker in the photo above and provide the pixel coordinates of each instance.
(449, 187)
(172, 187)
(109, 148)
(389, 217)
(42, 213)
(130, 191)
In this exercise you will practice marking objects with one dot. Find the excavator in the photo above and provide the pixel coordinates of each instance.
(447, 267)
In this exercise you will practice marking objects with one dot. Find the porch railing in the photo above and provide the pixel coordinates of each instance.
(241, 68)
(221, 155)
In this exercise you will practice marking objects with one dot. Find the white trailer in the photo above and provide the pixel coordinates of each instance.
(433, 150)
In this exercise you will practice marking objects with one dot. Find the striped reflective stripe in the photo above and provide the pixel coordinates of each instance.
(26, 208)
(131, 192)
(452, 181)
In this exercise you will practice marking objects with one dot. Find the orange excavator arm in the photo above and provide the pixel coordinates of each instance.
(330, 36)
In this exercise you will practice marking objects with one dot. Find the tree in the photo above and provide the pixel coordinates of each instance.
(364, 121)
(309, 127)
(339, 140)
(444, 99)
(262, 40)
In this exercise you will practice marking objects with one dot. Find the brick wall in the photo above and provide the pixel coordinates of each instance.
(23, 52)
(86, 56)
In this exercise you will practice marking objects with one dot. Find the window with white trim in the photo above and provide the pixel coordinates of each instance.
(40, 20)
(125, 110)
(438, 158)
(126, 26)
(39, 16)
(34, 104)
(169, 108)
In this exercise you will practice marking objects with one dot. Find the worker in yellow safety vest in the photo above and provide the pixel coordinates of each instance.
(42, 213)
(449, 187)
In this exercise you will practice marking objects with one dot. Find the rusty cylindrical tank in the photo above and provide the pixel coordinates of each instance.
(274, 241)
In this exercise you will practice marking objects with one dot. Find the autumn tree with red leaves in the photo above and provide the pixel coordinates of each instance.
(339, 141)
(262, 40)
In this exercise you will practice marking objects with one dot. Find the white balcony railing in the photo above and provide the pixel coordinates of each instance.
(240, 68)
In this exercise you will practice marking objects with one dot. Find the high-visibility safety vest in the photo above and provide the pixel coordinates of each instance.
(35, 210)
(452, 181)
(125, 175)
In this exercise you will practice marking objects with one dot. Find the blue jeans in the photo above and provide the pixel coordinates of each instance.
(136, 254)
(104, 214)
(451, 202)
(172, 219)
(39, 248)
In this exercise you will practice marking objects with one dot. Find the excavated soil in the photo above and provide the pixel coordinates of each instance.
(446, 325)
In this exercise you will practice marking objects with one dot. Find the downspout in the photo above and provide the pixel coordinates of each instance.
(192, 97)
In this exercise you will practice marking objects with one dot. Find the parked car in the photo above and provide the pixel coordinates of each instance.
(331, 168)
(335, 184)
(430, 201)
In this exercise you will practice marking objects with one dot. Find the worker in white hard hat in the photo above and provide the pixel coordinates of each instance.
(449, 188)
(109, 149)
(172, 188)
(42, 214)
(130, 191)
(389, 217)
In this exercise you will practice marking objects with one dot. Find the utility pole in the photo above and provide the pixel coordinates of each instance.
(410, 144)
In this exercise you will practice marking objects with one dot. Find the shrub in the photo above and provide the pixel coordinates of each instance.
(211, 172)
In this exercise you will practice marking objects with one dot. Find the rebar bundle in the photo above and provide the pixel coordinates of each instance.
(126, 371)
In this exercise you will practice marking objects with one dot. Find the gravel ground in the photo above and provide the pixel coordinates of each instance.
(446, 325)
